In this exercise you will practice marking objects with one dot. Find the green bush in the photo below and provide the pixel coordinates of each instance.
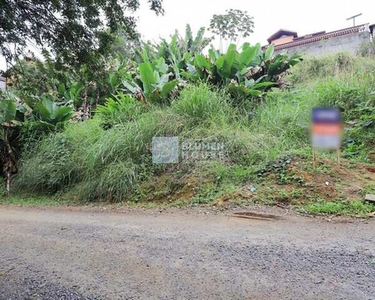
(108, 164)
(118, 109)
(201, 104)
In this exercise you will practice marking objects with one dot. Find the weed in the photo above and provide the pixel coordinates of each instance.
(348, 208)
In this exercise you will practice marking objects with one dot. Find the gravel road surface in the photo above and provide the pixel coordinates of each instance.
(74, 254)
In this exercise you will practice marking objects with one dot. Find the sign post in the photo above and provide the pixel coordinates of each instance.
(326, 131)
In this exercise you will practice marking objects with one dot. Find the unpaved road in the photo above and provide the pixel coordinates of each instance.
(60, 254)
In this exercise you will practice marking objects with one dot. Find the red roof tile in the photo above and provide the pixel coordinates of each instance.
(316, 37)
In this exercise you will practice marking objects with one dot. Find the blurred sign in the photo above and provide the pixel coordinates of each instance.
(326, 128)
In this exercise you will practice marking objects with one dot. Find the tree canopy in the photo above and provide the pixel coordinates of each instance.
(232, 25)
(70, 28)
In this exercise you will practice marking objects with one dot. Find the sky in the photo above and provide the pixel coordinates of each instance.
(269, 16)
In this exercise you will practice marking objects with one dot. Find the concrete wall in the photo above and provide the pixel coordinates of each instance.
(346, 43)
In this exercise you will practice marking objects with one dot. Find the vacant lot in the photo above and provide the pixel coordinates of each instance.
(75, 254)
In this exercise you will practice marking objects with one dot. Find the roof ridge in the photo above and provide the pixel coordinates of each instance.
(327, 35)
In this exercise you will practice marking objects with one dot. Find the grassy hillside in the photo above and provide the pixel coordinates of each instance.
(268, 154)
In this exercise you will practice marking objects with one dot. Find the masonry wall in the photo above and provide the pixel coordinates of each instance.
(346, 43)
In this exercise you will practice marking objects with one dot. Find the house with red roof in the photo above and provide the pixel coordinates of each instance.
(321, 43)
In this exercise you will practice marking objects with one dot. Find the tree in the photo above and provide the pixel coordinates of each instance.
(72, 29)
(42, 117)
(233, 25)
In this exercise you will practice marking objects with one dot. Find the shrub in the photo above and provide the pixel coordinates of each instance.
(201, 104)
(118, 109)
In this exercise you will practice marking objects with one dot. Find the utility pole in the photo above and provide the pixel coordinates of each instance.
(353, 18)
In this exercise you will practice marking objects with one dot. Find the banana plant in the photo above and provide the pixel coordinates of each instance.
(153, 83)
(44, 114)
(11, 120)
(250, 71)
(176, 51)
(50, 114)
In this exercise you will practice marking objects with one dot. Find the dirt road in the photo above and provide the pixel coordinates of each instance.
(59, 254)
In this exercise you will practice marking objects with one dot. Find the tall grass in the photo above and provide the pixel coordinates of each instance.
(331, 66)
(203, 104)
(94, 163)
(108, 164)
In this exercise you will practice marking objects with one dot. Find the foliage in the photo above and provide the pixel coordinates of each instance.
(81, 88)
(200, 104)
(153, 74)
(367, 49)
(14, 115)
(110, 164)
(11, 116)
(345, 82)
(157, 68)
(232, 25)
(346, 208)
(51, 114)
(74, 30)
(118, 109)
(176, 51)
(151, 82)
(333, 65)
(89, 163)
(357, 102)
(248, 73)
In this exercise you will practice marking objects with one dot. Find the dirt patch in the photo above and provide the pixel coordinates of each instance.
(170, 187)
(298, 183)
(286, 181)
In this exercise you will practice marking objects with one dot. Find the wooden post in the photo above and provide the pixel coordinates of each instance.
(314, 157)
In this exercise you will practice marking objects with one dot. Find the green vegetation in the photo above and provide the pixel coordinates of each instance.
(76, 31)
(36, 200)
(345, 208)
(85, 135)
(134, 93)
